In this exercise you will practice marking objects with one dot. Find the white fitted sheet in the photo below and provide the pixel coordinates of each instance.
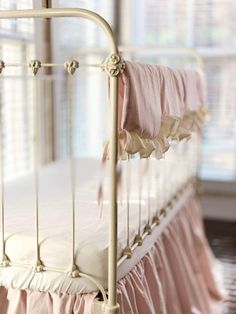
(55, 222)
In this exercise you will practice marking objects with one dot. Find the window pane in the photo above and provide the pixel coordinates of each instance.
(16, 91)
(89, 96)
(210, 26)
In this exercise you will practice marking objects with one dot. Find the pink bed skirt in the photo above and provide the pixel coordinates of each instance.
(174, 277)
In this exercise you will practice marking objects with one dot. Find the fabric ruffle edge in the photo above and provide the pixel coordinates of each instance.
(172, 129)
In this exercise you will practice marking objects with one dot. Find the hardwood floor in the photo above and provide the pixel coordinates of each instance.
(222, 238)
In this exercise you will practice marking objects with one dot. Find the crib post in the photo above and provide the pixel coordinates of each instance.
(113, 65)
(112, 306)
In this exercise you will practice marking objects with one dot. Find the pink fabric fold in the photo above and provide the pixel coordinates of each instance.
(141, 105)
(16, 301)
(149, 93)
(174, 277)
(182, 264)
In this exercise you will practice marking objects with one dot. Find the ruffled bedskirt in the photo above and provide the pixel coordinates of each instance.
(177, 276)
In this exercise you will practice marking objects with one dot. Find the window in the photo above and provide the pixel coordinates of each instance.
(89, 97)
(210, 27)
(16, 46)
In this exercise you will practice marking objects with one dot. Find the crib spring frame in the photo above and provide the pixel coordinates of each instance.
(113, 66)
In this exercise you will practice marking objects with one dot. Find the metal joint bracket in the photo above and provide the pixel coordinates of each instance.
(35, 65)
(148, 229)
(156, 220)
(114, 65)
(2, 66)
(127, 252)
(138, 239)
(71, 66)
(73, 271)
(5, 262)
(162, 212)
(38, 267)
(111, 309)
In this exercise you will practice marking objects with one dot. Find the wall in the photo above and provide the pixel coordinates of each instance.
(219, 200)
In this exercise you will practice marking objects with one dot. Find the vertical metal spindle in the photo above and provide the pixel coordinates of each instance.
(127, 251)
(149, 186)
(138, 239)
(71, 66)
(4, 262)
(35, 65)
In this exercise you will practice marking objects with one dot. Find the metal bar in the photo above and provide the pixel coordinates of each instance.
(47, 13)
(38, 264)
(127, 250)
(127, 201)
(52, 65)
(61, 270)
(192, 51)
(112, 252)
(197, 54)
(4, 260)
(149, 187)
(112, 307)
(162, 216)
(73, 270)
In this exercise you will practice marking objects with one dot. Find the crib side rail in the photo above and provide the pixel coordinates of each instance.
(113, 67)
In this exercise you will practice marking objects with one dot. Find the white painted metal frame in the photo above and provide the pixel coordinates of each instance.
(171, 50)
(113, 66)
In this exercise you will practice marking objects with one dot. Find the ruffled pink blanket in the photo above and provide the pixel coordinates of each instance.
(158, 104)
(175, 277)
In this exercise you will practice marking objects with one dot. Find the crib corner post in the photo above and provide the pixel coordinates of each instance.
(112, 250)
(111, 309)
(100, 307)
(113, 65)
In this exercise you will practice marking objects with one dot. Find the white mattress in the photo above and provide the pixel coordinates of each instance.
(55, 223)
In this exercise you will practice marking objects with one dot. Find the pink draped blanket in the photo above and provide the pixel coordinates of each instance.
(158, 104)
(149, 93)
(174, 277)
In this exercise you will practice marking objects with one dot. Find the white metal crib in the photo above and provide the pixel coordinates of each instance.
(113, 66)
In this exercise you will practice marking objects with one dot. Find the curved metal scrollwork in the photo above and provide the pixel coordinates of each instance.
(113, 65)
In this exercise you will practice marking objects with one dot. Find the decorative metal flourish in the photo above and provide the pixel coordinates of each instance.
(71, 66)
(2, 66)
(73, 271)
(35, 65)
(38, 267)
(5, 262)
(113, 65)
